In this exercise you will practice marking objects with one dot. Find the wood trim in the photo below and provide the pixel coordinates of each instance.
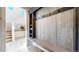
(76, 30)
(36, 9)
(56, 12)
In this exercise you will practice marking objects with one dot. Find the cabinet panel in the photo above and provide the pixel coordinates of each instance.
(38, 29)
(65, 29)
(52, 29)
(41, 29)
(70, 29)
(60, 39)
(58, 29)
(46, 29)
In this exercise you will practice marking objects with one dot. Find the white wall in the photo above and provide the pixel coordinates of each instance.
(2, 29)
(15, 16)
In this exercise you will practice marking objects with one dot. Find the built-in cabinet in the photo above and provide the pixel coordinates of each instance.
(58, 29)
(65, 29)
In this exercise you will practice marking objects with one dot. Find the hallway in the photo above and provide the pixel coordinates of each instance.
(47, 29)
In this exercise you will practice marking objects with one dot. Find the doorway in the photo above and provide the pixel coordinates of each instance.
(16, 33)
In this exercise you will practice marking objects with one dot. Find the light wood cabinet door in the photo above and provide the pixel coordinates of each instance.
(58, 29)
(52, 29)
(38, 29)
(65, 29)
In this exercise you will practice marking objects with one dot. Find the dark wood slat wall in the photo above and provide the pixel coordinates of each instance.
(77, 30)
(32, 26)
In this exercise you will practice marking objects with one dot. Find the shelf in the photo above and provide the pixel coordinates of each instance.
(32, 25)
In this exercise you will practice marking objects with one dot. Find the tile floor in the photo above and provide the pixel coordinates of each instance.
(20, 45)
(17, 46)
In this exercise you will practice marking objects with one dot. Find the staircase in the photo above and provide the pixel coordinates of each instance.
(8, 36)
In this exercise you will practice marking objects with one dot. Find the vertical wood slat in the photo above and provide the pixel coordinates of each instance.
(65, 29)
(52, 29)
(38, 29)
(58, 29)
